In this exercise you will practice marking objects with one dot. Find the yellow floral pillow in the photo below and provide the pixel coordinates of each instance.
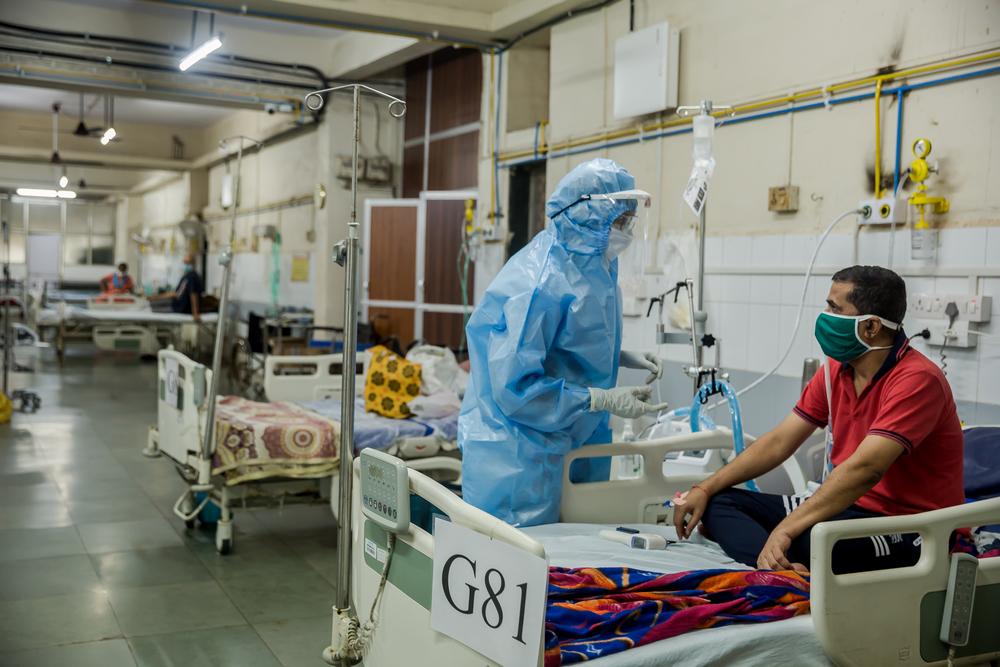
(391, 383)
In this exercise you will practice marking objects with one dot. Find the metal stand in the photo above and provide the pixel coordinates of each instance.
(225, 260)
(29, 400)
(344, 649)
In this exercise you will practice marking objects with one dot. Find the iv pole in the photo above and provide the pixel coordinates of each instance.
(225, 260)
(346, 253)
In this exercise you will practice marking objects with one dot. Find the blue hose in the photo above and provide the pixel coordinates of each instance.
(704, 392)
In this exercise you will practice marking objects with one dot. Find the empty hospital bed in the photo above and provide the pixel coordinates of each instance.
(291, 443)
(871, 618)
(126, 323)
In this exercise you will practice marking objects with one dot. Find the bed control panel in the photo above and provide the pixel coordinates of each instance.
(958, 600)
(385, 490)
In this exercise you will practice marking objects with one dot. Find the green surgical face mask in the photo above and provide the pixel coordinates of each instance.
(838, 335)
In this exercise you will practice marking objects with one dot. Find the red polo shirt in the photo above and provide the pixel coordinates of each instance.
(908, 401)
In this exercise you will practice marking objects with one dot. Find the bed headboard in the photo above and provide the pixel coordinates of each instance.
(117, 302)
(182, 392)
(308, 377)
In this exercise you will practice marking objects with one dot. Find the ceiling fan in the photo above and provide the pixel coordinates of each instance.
(81, 127)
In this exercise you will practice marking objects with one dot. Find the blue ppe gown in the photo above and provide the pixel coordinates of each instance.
(548, 328)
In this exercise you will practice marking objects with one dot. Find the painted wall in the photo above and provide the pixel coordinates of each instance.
(734, 52)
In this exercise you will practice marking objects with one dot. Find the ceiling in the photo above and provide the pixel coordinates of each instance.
(129, 109)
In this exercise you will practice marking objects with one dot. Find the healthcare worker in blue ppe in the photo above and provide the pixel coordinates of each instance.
(545, 348)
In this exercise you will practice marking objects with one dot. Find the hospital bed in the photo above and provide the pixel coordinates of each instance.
(275, 447)
(872, 618)
(120, 325)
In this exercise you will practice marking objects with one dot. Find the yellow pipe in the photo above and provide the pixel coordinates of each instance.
(878, 139)
(781, 100)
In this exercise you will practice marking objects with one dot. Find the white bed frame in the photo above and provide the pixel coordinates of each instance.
(307, 377)
(180, 428)
(861, 619)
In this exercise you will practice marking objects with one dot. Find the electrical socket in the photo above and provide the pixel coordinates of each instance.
(884, 211)
(971, 307)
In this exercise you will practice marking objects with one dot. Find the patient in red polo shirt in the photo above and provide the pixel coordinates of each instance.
(894, 442)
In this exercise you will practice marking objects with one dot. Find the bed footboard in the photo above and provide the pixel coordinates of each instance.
(307, 377)
(892, 617)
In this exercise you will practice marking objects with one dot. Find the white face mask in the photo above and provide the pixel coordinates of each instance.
(618, 240)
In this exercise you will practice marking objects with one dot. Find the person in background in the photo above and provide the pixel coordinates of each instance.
(896, 445)
(187, 295)
(545, 346)
(119, 282)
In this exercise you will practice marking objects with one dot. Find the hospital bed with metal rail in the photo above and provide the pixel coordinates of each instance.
(120, 322)
(871, 618)
(222, 478)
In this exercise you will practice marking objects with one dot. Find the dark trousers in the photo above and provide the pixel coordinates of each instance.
(741, 521)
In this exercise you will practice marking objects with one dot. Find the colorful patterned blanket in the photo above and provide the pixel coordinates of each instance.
(593, 612)
(260, 440)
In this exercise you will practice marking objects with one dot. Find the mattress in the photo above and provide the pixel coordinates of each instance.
(374, 430)
(790, 642)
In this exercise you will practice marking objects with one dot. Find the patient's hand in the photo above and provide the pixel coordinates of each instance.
(774, 554)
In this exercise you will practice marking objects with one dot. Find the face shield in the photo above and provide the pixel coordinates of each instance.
(631, 224)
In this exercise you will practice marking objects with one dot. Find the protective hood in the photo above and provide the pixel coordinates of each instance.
(582, 226)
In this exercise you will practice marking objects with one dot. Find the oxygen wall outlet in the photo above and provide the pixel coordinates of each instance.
(884, 211)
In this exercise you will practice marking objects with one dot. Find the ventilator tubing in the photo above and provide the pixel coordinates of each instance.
(734, 412)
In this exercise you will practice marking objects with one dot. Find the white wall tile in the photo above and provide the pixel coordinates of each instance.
(797, 249)
(765, 289)
(791, 290)
(735, 289)
(762, 338)
(801, 347)
(873, 246)
(962, 247)
(962, 371)
(713, 288)
(992, 246)
(736, 250)
(989, 371)
(951, 285)
(836, 251)
(733, 325)
(766, 251)
(713, 251)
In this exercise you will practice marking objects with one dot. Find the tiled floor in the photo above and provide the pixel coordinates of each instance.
(96, 571)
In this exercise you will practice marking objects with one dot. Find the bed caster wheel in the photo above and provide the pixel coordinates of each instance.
(190, 524)
(224, 537)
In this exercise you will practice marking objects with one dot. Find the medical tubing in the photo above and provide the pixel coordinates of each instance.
(734, 411)
(892, 228)
(802, 303)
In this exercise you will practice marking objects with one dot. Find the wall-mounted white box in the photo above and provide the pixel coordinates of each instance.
(646, 70)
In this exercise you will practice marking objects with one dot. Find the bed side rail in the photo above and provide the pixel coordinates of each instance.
(182, 390)
(638, 500)
(307, 377)
(874, 618)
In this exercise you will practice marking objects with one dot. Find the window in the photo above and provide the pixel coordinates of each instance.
(89, 236)
(44, 216)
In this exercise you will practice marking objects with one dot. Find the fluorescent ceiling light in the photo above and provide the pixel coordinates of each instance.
(109, 134)
(199, 53)
(36, 192)
(66, 194)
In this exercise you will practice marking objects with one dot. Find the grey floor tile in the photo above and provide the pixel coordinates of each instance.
(152, 610)
(149, 567)
(261, 557)
(283, 595)
(233, 647)
(24, 478)
(297, 518)
(107, 510)
(299, 642)
(128, 535)
(47, 577)
(29, 624)
(107, 653)
(38, 515)
(22, 543)
(30, 494)
(121, 489)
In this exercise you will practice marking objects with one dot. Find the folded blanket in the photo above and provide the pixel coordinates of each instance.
(593, 612)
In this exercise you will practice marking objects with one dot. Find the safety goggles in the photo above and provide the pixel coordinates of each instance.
(634, 199)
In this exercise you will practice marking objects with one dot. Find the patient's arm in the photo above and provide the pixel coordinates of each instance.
(767, 453)
(764, 455)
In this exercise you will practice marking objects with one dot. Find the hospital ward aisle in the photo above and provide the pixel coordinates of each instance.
(94, 569)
